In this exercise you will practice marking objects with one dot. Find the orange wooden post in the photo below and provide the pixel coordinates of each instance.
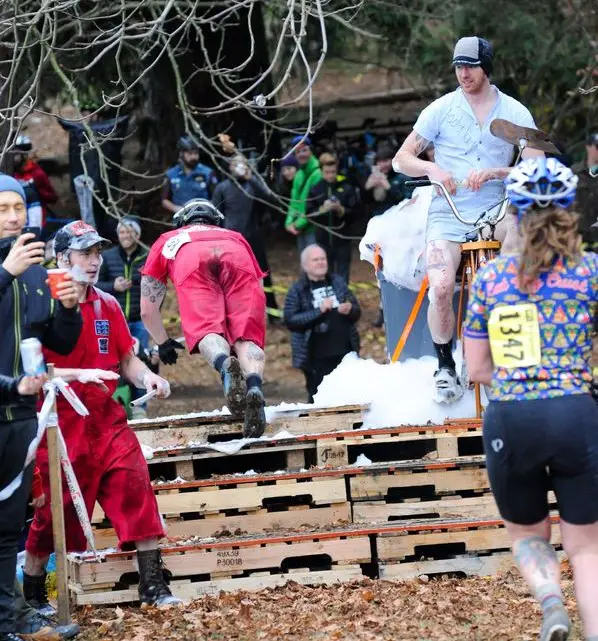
(410, 321)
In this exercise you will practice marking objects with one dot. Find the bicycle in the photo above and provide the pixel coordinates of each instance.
(475, 252)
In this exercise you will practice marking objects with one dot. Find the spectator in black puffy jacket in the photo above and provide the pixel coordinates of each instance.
(120, 276)
(333, 204)
(322, 314)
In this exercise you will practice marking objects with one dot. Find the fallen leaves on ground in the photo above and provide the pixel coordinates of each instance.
(474, 609)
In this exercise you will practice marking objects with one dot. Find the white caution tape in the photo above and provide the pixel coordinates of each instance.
(144, 398)
(47, 418)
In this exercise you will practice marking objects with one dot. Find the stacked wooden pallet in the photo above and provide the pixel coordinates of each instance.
(421, 505)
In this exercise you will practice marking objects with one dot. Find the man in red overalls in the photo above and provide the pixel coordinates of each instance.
(221, 302)
(103, 449)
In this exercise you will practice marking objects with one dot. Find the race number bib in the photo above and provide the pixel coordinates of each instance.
(172, 246)
(514, 334)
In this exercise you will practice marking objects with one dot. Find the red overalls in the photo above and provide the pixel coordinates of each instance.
(217, 281)
(103, 449)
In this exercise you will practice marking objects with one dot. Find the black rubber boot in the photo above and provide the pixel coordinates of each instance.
(34, 591)
(255, 414)
(153, 588)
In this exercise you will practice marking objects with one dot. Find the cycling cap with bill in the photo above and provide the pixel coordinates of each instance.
(474, 52)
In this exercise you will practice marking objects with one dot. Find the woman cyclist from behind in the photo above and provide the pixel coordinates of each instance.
(528, 335)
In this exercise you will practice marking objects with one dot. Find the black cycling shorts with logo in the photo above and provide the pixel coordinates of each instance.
(533, 447)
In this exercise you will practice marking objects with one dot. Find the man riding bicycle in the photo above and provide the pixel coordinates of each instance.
(467, 154)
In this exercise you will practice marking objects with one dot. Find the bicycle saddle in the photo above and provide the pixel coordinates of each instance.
(512, 133)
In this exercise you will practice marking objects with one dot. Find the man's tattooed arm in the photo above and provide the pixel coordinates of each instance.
(152, 289)
(420, 144)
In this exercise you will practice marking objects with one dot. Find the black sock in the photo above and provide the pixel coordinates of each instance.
(219, 362)
(444, 351)
(254, 380)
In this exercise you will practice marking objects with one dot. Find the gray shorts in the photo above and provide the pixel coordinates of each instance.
(442, 224)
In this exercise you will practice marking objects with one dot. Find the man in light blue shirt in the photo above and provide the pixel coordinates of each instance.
(458, 125)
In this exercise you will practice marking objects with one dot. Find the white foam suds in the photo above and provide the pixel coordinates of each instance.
(398, 394)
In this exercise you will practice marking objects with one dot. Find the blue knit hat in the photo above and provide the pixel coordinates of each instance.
(8, 183)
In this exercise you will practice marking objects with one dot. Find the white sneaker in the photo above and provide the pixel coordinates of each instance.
(448, 386)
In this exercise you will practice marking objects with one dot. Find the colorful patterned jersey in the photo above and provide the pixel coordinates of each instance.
(541, 342)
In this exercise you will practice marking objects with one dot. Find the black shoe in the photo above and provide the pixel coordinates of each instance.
(234, 385)
(41, 627)
(9, 636)
(153, 589)
(255, 414)
(379, 322)
(34, 591)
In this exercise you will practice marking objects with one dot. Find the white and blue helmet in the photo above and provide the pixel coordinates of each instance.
(541, 182)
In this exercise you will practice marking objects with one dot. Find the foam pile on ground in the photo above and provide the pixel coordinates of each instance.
(401, 235)
(398, 394)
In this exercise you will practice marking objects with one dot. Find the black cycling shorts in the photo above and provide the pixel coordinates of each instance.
(535, 446)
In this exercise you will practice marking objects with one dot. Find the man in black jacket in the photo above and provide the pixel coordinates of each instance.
(241, 201)
(322, 314)
(26, 311)
(333, 204)
(120, 275)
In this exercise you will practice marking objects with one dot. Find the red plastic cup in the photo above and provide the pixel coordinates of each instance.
(55, 277)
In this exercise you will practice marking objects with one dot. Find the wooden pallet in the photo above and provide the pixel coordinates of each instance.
(250, 504)
(443, 539)
(475, 507)
(258, 522)
(178, 431)
(464, 565)
(227, 558)
(451, 440)
(400, 443)
(188, 589)
(438, 478)
(481, 507)
(468, 565)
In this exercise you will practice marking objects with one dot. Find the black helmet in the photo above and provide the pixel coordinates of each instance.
(196, 211)
(23, 143)
(186, 143)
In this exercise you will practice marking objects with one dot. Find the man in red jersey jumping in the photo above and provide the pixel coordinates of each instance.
(221, 302)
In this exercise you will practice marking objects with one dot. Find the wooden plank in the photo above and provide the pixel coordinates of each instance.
(377, 486)
(477, 507)
(197, 560)
(296, 460)
(331, 454)
(184, 470)
(193, 590)
(393, 547)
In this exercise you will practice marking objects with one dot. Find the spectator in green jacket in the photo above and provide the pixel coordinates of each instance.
(307, 176)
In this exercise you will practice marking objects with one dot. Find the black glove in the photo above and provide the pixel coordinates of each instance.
(167, 351)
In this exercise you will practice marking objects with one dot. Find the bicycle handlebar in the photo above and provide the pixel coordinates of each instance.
(451, 202)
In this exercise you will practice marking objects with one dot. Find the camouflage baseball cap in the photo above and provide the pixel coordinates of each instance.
(77, 235)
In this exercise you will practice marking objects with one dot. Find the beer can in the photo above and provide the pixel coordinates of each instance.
(32, 357)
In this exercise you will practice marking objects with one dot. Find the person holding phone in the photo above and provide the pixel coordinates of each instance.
(26, 311)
